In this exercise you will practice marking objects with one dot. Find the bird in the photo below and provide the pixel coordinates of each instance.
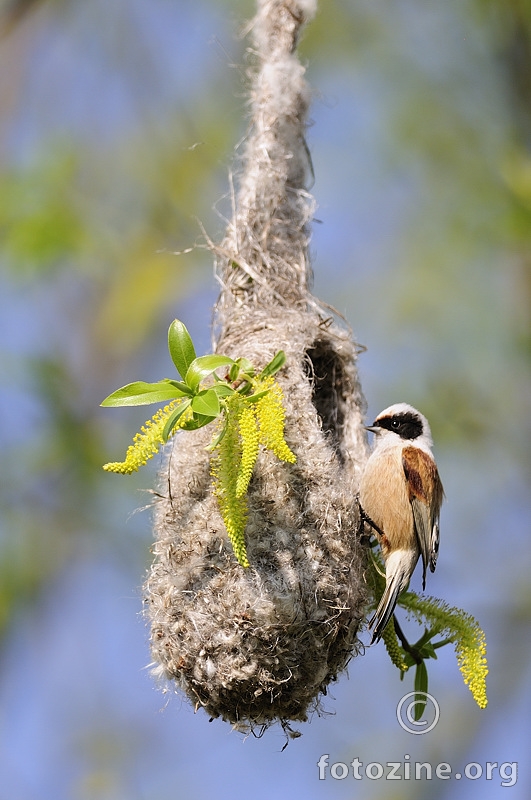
(400, 497)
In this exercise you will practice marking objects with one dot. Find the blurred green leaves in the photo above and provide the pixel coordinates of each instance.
(41, 221)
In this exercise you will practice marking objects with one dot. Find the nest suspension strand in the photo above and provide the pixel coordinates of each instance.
(260, 645)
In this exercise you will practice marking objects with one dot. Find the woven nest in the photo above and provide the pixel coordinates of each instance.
(260, 645)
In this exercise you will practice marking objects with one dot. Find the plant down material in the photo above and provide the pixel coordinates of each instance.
(261, 644)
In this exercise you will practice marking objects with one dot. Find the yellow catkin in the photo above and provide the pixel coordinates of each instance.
(225, 464)
(471, 659)
(147, 442)
(250, 441)
(465, 632)
(271, 415)
(247, 426)
(393, 648)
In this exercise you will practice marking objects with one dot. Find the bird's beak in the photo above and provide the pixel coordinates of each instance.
(372, 428)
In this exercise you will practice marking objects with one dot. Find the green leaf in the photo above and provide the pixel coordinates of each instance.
(421, 686)
(198, 421)
(223, 389)
(142, 394)
(181, 386)
(428, 651)
(217, 439)
(276, 363)
(246, 366)
(241, 368)
(203, 366)
(245, 389)
(254, 398)
(206, 403)
(234, 371)
(181, 347)
(174, 418)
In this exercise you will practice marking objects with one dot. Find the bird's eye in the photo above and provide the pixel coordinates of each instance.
(395, 424)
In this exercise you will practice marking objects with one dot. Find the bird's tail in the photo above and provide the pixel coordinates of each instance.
(386, 606)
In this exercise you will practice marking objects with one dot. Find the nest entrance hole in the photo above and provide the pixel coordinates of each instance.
(325, 370)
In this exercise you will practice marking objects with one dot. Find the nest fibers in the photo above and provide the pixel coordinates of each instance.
(260, 645)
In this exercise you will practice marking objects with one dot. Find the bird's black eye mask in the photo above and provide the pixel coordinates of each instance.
(407, 425)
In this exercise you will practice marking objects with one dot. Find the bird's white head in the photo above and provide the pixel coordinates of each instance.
(401, 423)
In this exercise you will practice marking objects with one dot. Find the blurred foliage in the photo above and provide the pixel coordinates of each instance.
(40, 226)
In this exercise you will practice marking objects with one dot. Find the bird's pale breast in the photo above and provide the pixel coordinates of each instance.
(384, 497)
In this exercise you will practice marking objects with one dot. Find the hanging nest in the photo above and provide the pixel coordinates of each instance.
(262, 644)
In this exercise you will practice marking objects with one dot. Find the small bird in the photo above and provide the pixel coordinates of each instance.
(400, 498)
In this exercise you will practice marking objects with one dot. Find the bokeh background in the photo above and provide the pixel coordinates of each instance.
(118, 122)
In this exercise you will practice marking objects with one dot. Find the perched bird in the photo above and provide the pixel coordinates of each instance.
(400, 498)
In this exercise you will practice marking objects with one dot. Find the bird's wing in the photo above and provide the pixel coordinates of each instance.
(425, 495)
